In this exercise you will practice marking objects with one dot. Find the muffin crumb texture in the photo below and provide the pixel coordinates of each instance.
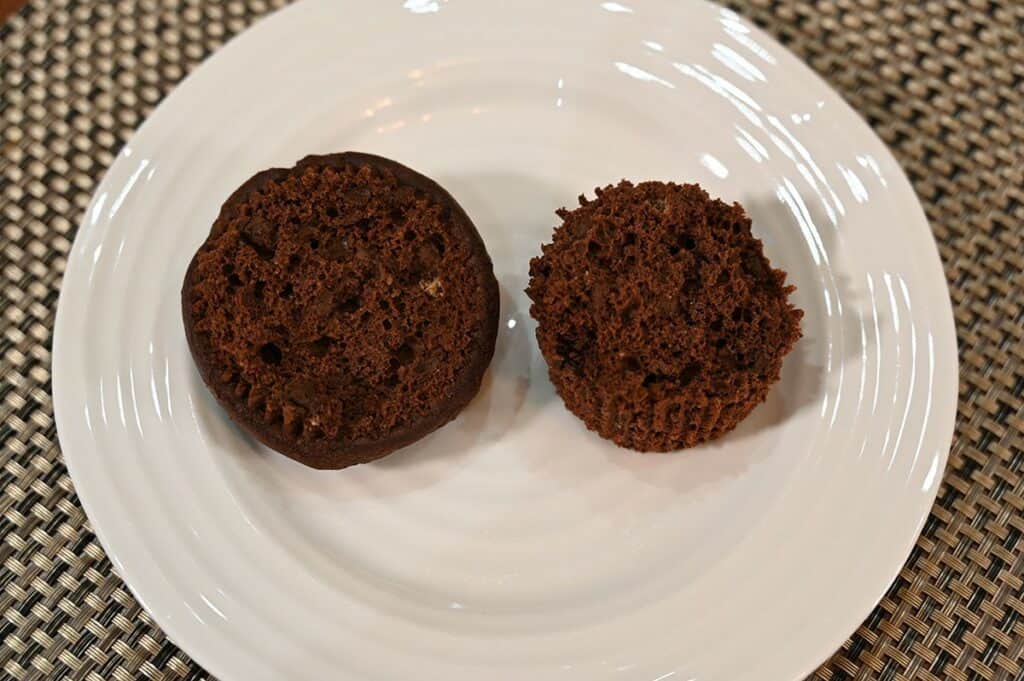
(661, 320)
(334, 306)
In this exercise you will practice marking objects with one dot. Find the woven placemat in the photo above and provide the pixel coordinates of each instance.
(942, 83)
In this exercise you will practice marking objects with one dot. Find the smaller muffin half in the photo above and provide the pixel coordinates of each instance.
(662, 322)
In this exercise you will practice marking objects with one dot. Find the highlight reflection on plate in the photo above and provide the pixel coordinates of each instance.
(513, 543)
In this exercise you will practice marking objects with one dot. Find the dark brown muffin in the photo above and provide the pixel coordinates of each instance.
(661, 320)
(342, 308)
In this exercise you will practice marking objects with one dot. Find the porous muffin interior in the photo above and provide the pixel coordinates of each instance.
(662, 322)
(337, 303)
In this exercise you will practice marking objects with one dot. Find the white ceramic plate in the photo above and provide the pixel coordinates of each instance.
(513, 544)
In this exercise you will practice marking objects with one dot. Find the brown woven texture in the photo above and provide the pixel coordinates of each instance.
(942, 83)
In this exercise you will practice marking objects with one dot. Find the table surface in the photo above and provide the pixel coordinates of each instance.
(942, 83)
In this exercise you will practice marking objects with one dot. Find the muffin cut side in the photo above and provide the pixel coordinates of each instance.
(341, 308)
(661, 320)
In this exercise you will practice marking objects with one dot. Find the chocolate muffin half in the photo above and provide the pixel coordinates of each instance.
(661, 320)
(342, 308)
